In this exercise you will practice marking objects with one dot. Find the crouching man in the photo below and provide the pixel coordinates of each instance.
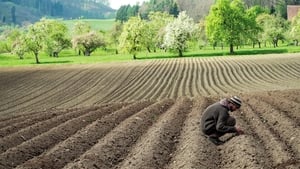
(216, 120)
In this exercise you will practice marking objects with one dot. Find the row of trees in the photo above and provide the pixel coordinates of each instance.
(229, 23)
(197, 9)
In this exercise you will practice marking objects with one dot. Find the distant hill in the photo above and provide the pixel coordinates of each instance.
(22, 11)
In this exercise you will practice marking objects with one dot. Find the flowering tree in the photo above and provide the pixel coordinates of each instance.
(178, 33)
(155, 32)
(55, 36)
(133, 37)
(34, 40)
(19, 46)
(273, 27)
(89, 42)
(295, 29)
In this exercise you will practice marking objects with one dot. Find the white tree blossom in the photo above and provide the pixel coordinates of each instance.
(178, 33)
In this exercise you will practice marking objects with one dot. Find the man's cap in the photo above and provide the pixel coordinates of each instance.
(235, 100)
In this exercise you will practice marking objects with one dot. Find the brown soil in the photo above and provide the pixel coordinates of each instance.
(147, 114)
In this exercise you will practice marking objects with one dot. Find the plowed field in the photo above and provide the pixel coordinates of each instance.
(146, 114)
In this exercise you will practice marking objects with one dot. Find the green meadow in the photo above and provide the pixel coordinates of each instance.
(70, 56)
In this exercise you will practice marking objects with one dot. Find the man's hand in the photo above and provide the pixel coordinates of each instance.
(239, 131)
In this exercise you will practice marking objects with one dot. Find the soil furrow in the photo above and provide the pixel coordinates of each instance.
(74, 146)
(41, 95)
(144, 85)
(19, 123)
(191, 82)
(113, 77)
(208, 78)
(287, 107)
(132, 84)
(38, 128)
(291, 69)
(190, 78)
(226, 80)
(36, 83)
(111, 149)
(112, 87)
(77, 96)
(246, 77)
(193, 149)
(281, 73)
(156, 146)
(155, 84)
(72, 86)
(274, 150)
(87, 94)
(54, 83)
(254, 78)
(259, 69)
(181, 87)
(242, 76)
(201, 76)
(293, 95)
(19, 81)
(218, 78)
(197, 74)
(173, 83)
(36, 146)
(165, 89)
(10, 77)
(163, 83)
(241, 152)
(175, 90)
(283, 126)
(6, 119)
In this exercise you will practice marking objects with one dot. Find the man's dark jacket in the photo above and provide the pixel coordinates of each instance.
(214, 119)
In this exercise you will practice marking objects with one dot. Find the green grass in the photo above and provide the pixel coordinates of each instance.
(105, 56)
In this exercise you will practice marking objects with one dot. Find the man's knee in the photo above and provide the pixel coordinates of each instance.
(231, 121)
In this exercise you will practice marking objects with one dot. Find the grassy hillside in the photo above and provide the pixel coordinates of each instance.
(23, 14)
(31, 11)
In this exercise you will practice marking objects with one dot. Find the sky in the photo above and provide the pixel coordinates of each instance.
(115, 4)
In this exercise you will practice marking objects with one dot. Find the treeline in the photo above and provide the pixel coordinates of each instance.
(56, 8)
(46, 7)
(196, 9)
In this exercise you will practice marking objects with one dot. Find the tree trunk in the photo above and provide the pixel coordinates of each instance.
(259, 45)
(36, 57)
(87, 53)
(149, 50)
(231, 49)
(134, 56)
(180, 53)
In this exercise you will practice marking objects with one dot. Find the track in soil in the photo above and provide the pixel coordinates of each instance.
(153, 134)
(36, 89)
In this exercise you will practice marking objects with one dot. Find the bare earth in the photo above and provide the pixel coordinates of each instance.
(146, 114)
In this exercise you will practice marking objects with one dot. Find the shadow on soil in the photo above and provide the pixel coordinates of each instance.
(222, 53)
(54, 62)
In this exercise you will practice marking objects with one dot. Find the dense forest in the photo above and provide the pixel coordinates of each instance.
(18, 11)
